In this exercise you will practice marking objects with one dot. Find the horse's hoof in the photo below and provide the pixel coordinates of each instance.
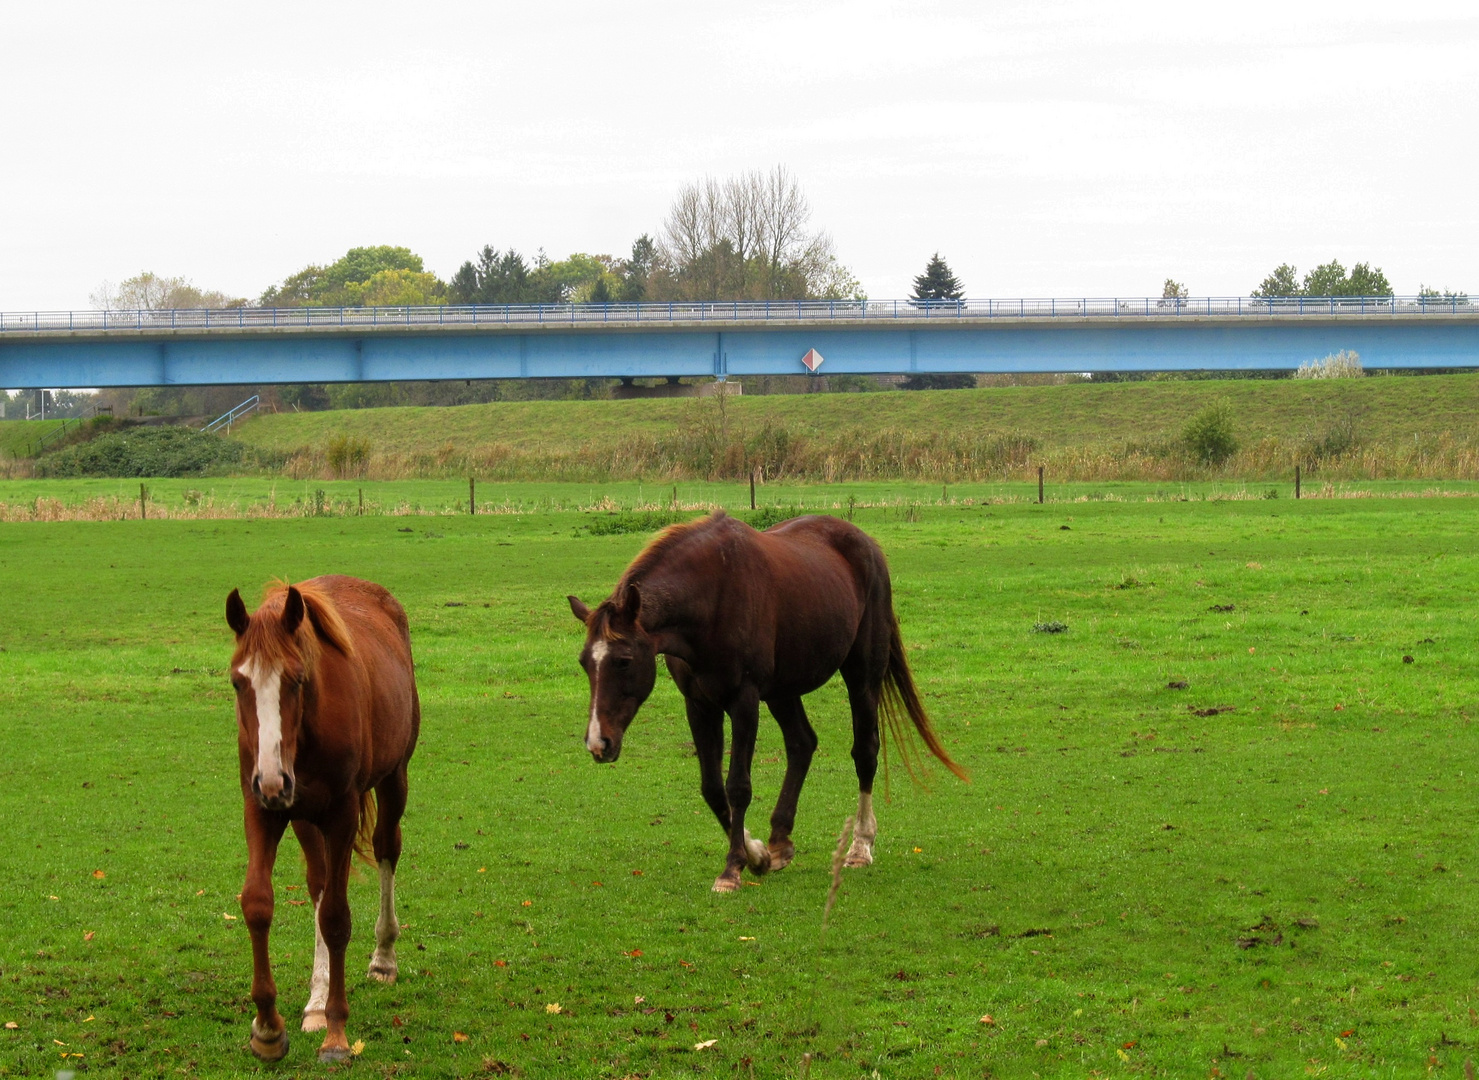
(724, 883)
(269, 1047)
(781, 855)
(757, 858)
(314, 1020)
(332, 1054)
(858, 858)
(385, 973)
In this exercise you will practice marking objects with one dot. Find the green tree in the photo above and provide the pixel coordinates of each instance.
(937, 282)
(501, 278)
(1328, 279)
(343, 282)
(1284, 281)
(636, 270)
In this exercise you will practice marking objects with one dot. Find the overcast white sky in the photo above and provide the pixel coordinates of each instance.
(1045, 148)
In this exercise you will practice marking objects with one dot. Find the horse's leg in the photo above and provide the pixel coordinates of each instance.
(863, 697)
(706, 722)
(744, 849)
(334, 921)
(801, 744)
(312, 842)
(391, 795)
(263, 832)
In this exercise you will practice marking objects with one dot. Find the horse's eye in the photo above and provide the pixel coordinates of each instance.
(621, 663)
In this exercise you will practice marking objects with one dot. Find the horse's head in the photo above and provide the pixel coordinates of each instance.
(621, 662)
(271, 671)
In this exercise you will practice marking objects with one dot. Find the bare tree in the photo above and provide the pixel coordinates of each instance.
(747, 238)
(149, 291)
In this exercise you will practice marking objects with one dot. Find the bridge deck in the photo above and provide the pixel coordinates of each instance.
(264, 345)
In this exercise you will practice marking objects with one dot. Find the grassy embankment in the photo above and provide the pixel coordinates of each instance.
(1269, 870)
(1377, 427)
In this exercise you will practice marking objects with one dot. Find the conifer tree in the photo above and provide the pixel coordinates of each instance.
(937, 282)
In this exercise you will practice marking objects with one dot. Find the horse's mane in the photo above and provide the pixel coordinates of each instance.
(656, 550)
(265, 639)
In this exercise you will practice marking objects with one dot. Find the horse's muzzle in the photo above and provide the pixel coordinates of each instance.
(278, 796)
(608, 752)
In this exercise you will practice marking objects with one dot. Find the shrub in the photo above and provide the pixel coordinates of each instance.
(152, 451)
(1209, 434)
(347, 456)
(767, 516)
(1345, 364)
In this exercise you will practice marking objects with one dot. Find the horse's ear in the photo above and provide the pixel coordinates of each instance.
(236, 613)
(582, 612)
(292, 611)
(631, 602)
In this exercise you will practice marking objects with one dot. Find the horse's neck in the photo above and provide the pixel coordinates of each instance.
(670, 607)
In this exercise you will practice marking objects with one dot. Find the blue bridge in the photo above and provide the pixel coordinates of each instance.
(293, 345)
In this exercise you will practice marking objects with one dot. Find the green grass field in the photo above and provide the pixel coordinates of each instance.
(1271, 870)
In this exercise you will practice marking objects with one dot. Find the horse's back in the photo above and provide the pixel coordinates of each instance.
(381, 636)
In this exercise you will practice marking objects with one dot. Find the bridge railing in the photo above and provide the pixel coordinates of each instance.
(722, 312)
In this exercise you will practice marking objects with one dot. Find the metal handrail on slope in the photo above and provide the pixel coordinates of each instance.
(226, 419)
(589, 315)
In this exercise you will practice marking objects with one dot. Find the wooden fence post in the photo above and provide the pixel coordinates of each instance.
(472, 496)
(361, 502)
(1039, 483)
(752, 489)
(1296, 481)
(143, 499)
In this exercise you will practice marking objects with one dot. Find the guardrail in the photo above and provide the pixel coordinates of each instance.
(722, 312)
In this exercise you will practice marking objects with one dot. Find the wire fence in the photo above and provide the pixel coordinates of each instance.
(722, 313)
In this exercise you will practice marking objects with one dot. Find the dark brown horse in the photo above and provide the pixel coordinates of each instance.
(327, 718)
(743, 617)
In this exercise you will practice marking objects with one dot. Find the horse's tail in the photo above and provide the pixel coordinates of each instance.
(369, 814)
(900, 696)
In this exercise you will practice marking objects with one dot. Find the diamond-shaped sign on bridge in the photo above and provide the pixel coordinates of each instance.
(812, 360)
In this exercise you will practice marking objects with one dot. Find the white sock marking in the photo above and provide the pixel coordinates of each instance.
(318, 987)
(387, 929)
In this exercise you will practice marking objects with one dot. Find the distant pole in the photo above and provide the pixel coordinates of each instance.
(361, 502)
(143, 498)
(1039, 483)
(1296, 481)
(472, 496)
(752, 489)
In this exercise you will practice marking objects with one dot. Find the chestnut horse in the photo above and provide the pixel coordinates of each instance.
(327, 718)
(743, 617)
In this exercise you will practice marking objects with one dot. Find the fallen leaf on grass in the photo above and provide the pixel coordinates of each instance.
(1251, 650)
(396, 1021)
(1255, 566)
(705, 1044)
(11, 1025)
(1340, 708)
(88, 936)
(988, 1020)
(747, 939)
(99, 874)
(199, 892)
(1122, 1055)
(500, 963)
(554, 1007)
(528, 903)
(89, 1020)
(228, 917)
(633, 953)
(640, 1000)
(918, 850)
(636, 873)
(1177, 684)
(358, 1048)
(685, 963)
(482, 869)
(457, 1036)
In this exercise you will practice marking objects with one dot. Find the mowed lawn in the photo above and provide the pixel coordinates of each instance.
(1270, 870)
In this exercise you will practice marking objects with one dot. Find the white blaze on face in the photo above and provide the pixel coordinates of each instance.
(267, 688)
(593, 730)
